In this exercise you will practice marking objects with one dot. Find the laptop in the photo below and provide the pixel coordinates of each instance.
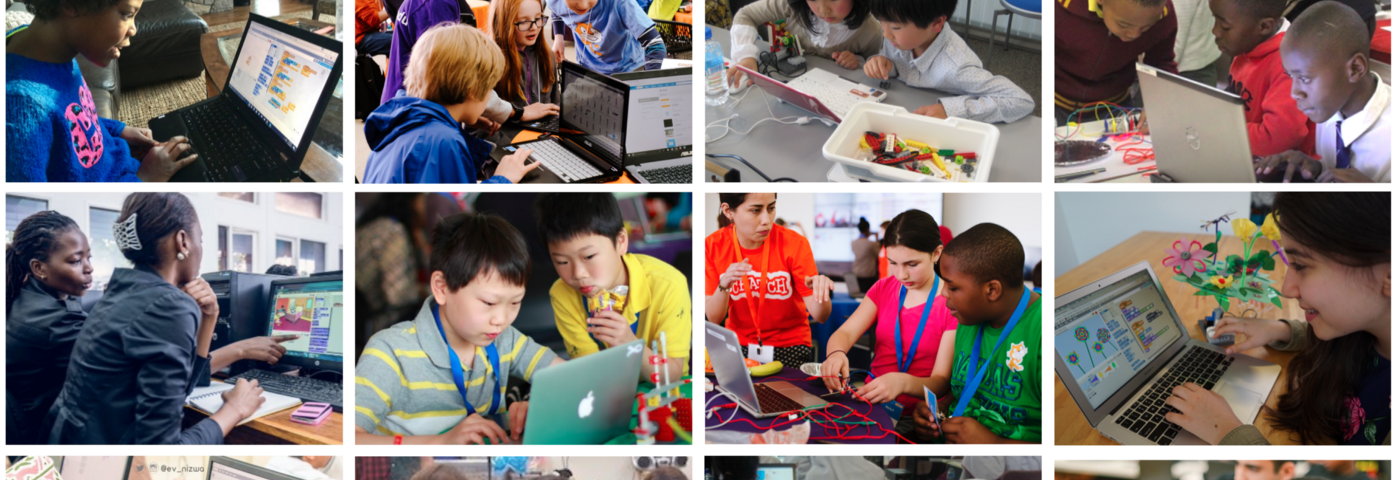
(776, 471)
(313, 308)
(93, 468)
(573, 403)
(1140, 351)
(592, 138)
(259, 128)
(763, 400)
(818, 91)
(659, 132)
(1198, 131)
(225, 468)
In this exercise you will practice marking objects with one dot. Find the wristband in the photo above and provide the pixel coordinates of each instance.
(843, 352)
(398, 439)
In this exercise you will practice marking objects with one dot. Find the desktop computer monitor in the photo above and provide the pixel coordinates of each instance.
(225, 468)
(242, 301)
(314, 309)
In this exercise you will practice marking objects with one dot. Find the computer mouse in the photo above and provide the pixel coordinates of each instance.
(739, 83)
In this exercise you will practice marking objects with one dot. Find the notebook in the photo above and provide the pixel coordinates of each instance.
(210, 399)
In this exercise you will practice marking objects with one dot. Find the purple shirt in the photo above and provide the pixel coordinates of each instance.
(415, 17)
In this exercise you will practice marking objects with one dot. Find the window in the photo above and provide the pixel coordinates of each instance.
(240, 196)
(19, 208)
(313, 257)
(285, 255)
(236, 249)
(307, 205)
(106, 257)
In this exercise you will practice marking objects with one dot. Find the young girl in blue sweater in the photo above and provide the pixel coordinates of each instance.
(52, 130)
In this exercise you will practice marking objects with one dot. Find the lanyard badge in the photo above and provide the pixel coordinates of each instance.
(458, 375)
(903, 359)
(760, 353)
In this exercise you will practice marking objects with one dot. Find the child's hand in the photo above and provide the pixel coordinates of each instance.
(924, 426)
(536, 111)
(558, 48)
(734, 73)
(884, 388)
(1257, 332)
(244, 400)
(139, 139)
(610, 328)
(965, 430)
(735, 272)
(486, 125)
(1293, 161)
(821, 287)
(474, 429)
(162, 161)
(1343, 175)
(517, 420)
(878, 67)
(1203, 412)
(936, 111)
(513, 166)
(846, 60)
(835, 371)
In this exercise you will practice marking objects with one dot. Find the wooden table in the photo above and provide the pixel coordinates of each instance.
(1071, 428)
(278, 428)
(318, 164)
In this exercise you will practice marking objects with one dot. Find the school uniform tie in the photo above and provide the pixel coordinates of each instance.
(1343, 151)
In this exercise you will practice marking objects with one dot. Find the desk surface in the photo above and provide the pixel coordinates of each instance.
(278, 428)
(1071, 428)
(794, 151)
(819, 434)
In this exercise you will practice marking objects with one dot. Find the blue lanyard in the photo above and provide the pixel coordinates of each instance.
(899, 353)
(458, 376)
(973, 381)
(602, 347)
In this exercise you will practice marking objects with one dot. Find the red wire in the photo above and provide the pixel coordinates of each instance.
(842, 433)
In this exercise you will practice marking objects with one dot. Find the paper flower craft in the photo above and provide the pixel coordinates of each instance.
(1185, 258)
(1230, 276)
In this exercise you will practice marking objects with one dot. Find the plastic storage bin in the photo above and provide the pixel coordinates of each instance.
(958, 134)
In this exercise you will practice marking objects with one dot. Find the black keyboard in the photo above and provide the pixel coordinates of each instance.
(1145, 417)
(770, 401)
(230, 150)
(672, 174)
(550, 123)
(307, 389)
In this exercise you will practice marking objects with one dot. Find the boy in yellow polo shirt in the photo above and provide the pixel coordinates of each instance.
(588, 246)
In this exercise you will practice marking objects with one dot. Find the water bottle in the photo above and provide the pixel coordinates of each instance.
(716, 88)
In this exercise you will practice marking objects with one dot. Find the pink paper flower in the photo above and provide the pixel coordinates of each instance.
(1186, 261)
(1355, 418)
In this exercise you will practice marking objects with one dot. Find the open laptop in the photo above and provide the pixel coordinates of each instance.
(313, 308)
(225, 468)
(776, 471)
(576, 403)
(1140, 352)
(818, 91)
(1198, 131)
(659, 132)
(93, 468)
(259, 128)
(592, 139)
(763, 400)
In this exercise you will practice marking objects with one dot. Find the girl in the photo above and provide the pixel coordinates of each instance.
(516, 25)
(913, 328)
(147, 345)
(841, 30)
(753, 248)
(52, 129)
(49, 267)
(1338, 250)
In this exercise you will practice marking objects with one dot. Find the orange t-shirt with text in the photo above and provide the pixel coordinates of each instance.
(783, 319)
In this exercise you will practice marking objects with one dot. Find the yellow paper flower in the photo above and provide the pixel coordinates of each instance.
(1270, 229)
(1244, 229)
(1222, 282)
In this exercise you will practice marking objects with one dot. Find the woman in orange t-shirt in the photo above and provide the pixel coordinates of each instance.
(776, 261)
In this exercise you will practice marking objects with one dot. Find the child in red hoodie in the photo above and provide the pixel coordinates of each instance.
(1097, 44)
(1251, 31)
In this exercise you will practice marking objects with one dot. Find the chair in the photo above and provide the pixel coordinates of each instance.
(1011, 8)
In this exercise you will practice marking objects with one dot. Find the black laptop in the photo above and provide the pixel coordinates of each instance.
(659, 129)
(592, 139)
(259, 128)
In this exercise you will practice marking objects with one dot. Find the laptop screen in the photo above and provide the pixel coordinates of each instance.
(596, 109)
(313, 311)
(776, 472)
(94, 468)
(658, 119)
(281, 78)
(1107, 336)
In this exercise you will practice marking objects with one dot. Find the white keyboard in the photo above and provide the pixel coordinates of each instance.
(836, 95)
(565, 164)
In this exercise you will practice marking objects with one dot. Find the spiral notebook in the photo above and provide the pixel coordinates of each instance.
(210, 399)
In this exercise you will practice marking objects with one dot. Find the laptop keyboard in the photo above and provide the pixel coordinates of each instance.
(671, 174)
(770, 401)
(550, 123)
(565, 164)
(228, 147)
(837, 99)
(1145, 417)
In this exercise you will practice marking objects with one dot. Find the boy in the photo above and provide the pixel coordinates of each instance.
(369, 38)
(407, 391)
(1251, 31)
(588, 244)
(613, 36)
(1327, 53)
(1097, 44)
(925, 54)
(416, 137)
(981, 269)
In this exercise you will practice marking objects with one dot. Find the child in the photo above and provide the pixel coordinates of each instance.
(480, 265)
(982, 271)
(618, 36)
(588, 244)
(369, 39)
(925, 54)
(417, 137)
(1327, 54)
(841, 30)
(1338, 247)
(1251, 31)
(52, 130)
(516, 25)
(1097, 42)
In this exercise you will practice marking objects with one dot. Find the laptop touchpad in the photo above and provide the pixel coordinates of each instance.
(1243, 401)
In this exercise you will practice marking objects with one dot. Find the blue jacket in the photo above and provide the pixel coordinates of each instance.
(416, 141)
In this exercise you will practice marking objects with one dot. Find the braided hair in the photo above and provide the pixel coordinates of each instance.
(34, 239)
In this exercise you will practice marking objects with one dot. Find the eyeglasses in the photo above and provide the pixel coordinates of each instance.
(530, 24)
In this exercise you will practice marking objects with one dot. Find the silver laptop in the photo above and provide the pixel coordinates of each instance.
(659, 133)
(571, 404)
(767, 399)
(1198, 132)
(1120, 349)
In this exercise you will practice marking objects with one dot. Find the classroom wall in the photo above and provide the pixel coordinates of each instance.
(1017, 212)
(1088, 224)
